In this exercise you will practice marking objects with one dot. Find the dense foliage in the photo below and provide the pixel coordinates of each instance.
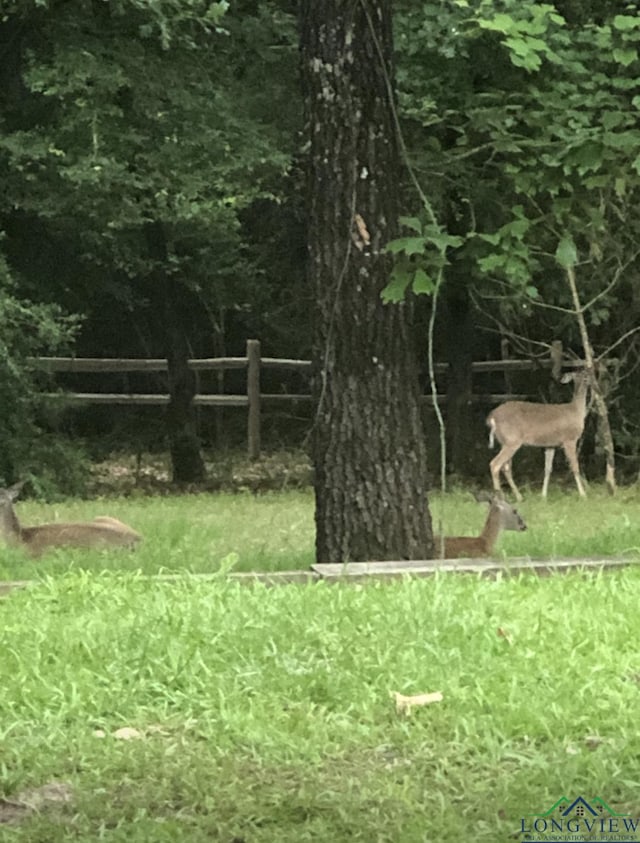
(150, 181)
(521, 123)
(28, 421)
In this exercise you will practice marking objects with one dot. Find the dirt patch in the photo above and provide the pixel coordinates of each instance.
(34, 800)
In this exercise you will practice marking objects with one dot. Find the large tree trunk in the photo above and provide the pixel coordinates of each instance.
(369, 451)
(187, 465)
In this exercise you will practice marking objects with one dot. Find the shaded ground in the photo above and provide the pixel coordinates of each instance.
(127, 474)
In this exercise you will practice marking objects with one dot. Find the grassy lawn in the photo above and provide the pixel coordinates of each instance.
(262, 715)
(195, 532)
(274, 531)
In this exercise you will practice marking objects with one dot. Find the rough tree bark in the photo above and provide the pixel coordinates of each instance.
(369, 451)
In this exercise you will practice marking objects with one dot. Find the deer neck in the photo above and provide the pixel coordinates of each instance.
(580, 396)
(491, 530)
(10, 526)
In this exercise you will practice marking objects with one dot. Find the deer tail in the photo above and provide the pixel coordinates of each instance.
(492, 430)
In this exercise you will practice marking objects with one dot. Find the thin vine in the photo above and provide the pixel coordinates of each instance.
(441, 248)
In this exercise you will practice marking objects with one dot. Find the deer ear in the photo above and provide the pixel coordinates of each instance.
(576, 376)
(483, 497)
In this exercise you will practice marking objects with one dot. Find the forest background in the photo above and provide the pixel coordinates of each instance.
(152, 204)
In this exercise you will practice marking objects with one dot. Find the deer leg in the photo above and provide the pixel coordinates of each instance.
(506, 470)
(502, 462)
(572, 458)
(549, 454)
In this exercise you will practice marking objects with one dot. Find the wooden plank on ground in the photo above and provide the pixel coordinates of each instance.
(482, 567)
(357, 571)
(7, 587)
(275, 577)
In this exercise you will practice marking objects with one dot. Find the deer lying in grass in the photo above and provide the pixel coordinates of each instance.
(102, 532)
(548, 426)
(502, 516)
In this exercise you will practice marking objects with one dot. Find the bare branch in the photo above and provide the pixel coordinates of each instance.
(524, 343)
(546, 306)
(616, 277)
(620, 340)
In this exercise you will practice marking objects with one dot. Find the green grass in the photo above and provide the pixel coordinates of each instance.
(265, 713)
(189, 532)
(562, 525)
(274, 531)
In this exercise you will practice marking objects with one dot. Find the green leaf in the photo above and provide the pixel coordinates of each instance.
(521, 55)
(516, 268)
(596, 182)
(625, 57)
(623, 84)
(566, 253)
(443, 241)
(626, 22)
(499, 23)
(627, 141)
(518, 45)
(491, 262)
(216, 12)
(397, 286)
(423, 284)
(517, 228)
(408, 245)
(587, 157)
(612, 119)
(494, 239)
(532, 291)
(413, 223)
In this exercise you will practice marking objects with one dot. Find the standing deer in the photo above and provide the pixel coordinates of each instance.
(548, 426)
(502, 516)
(102, 532)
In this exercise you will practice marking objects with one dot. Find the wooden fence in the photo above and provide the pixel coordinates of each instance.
(253, 363)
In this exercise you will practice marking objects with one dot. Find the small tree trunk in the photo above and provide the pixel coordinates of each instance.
(368, 448)
(184, 445)
(220, 350)
(601, 407)
(461, 434)
(253, 394)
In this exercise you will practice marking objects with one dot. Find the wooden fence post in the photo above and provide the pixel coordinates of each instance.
(253, 395)
(556, 359)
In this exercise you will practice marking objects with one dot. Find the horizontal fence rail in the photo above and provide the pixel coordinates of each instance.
(136, 364)
(243, 400)
(159, 364)
(253, 363)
